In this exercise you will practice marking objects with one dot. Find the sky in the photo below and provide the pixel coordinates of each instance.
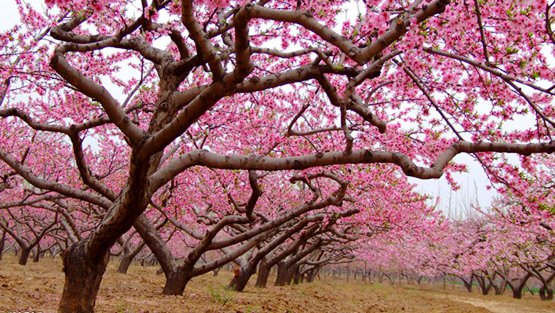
(455, 204)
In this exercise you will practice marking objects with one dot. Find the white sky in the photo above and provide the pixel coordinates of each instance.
(453, 203)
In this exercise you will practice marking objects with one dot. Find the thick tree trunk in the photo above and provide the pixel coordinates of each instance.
(546, 293)
(517, 291)
(263, 275)
(83, 275)
(36, 257)
(176, 281)
(24, 256)
(289, 274)
(518, 286)
(240, 281)
(281, 278)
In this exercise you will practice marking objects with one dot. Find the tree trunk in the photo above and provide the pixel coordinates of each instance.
(467, 286)
(125, 263)
(486, 290)
(546, 293)
(263, 275)
(83, 275)
(24, 256)
(216, 271)
(284, 275)
(241, 281)
(281, 278)
(2, 243)
(485, 285)
(311, 275)
(36, 257)
(500, 289)
(296, 276)
(517, 291)
(176, 281)
(128, 256)
(290, 272)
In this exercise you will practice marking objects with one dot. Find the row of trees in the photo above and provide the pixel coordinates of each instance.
(225, 125)
(510, 245)
(489, 253)
(307, 222)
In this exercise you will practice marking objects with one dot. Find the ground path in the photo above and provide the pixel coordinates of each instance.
(37, 287)
(500, 306)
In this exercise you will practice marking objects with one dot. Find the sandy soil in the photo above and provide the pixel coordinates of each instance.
(37, 287)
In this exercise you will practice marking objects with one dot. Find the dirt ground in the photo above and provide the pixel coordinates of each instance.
(37, 288)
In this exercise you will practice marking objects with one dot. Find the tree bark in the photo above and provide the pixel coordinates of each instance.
(311, 275)
(124, 263)
(263, 275)
(468, 285)
(518, 286)
(517, 291)
(500, 288)
(546, 293)
(24, 256)
(36, 257)
(485, 284)
(240, 281)
(176, 281)
(83, 275)
(2, 243)
(128, 256)
(296, 274)
(281, 278)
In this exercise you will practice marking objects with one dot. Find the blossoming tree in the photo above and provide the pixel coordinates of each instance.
(135, 93)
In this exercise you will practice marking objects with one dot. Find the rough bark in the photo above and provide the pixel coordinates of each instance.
(24, 256)
(176, 281)
(83, 275)
(281, 275)
(263, 275)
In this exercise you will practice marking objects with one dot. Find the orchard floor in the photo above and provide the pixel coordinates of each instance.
(37, 288)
